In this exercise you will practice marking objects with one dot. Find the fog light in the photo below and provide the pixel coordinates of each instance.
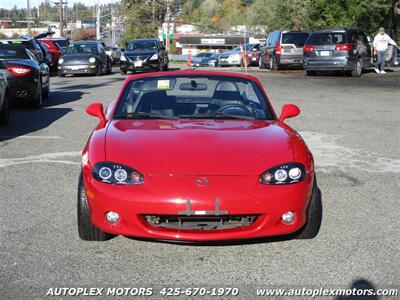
(112, 217)
(288, 217)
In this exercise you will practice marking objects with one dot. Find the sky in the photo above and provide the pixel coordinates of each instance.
(34, 3)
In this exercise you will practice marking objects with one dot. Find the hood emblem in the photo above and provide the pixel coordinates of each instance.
(201, 181)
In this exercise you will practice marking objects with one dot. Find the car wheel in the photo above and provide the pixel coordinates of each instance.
(46, 91)
(123, 72)
(99, 70)
(38, 100)
(109, 68)
(314, 215)
(311, 73)
(5, 111)
(86, 229)
(357, 69)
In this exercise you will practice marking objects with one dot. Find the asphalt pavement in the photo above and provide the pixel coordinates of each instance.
(352, 126)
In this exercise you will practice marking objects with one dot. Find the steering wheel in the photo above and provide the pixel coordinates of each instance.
(243, 110)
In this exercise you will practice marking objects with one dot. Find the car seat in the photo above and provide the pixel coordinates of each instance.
(157, 102)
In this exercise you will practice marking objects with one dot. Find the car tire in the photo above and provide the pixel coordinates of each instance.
(357, 71)
(46, 91)
(109, 68)
(5, 111)
(122, 72)
(311, 73)
(99, 70)
(314, 215)
(86, 229)
(38, 100)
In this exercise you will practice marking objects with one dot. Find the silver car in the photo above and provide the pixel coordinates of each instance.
(283, 48)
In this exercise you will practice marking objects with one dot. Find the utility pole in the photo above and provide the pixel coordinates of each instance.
(61, 11)
(29, 19)
(167, 31)
(98, 22)
(112, 25)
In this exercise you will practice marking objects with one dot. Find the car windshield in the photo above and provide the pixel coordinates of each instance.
(82, 48)
(326, 38)
(247, 47)
(296, 38)
(142, 45)
(192, 97)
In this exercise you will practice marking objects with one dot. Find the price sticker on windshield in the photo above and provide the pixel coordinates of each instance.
(163, 84)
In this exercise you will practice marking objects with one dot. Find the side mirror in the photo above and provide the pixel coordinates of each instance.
(289, 111)
(96, 110)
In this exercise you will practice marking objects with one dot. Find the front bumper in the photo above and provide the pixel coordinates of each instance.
(329, 64)
(142, 65)
(229, 62)
(77, 69)
(168, 195)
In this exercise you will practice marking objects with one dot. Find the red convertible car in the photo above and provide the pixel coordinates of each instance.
(196, 156)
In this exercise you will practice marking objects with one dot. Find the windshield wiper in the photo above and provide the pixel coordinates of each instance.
(143, 115)
(218, 115)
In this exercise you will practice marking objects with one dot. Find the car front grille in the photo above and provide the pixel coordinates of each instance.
(138, 57)
(212, 222)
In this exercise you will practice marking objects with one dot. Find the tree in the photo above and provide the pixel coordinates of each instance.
(143, 18)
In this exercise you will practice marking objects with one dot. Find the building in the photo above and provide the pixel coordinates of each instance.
(5, 23)
(213, 43)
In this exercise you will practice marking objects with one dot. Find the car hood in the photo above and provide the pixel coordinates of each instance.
(230, 53)
(197, 147)
(80, 57)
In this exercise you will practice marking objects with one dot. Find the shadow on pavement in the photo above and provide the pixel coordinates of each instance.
(59, 97)
(25, 122)
(363, 290)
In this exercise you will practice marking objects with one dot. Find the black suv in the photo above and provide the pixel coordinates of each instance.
(144, 54)
(345, 49)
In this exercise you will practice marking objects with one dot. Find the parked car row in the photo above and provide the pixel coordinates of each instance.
(25, 70)
(345, 49)
(27, 76)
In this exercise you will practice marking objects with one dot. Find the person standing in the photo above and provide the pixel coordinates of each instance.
(381, 43)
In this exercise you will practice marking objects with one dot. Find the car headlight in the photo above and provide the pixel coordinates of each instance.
(60, 61)
(92, 60)
(122, 58)
(154, 56)
(115, 173)
(284, 174)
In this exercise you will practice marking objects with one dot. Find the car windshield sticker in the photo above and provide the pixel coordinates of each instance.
(163, 84)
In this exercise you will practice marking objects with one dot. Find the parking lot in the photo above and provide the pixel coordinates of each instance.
(350, 124)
